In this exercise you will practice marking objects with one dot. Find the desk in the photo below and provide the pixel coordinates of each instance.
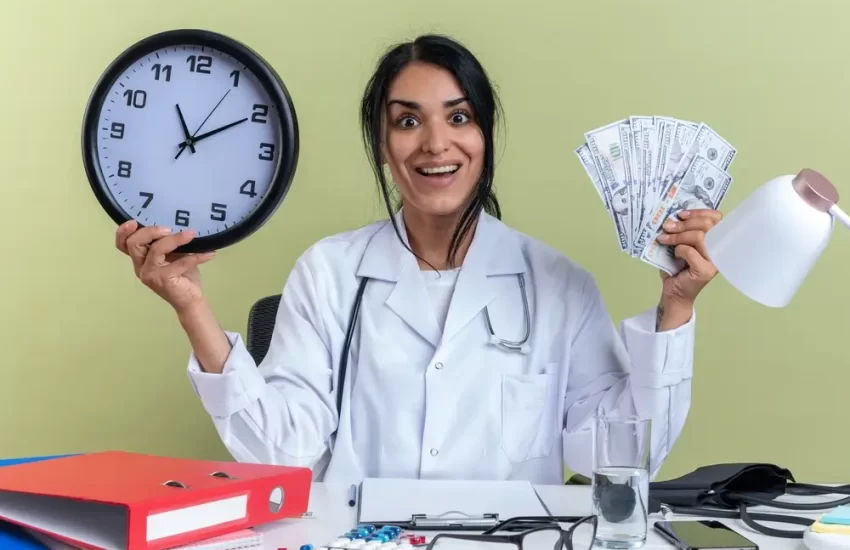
(329, 502)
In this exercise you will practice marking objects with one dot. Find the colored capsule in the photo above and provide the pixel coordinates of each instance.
(307, 547)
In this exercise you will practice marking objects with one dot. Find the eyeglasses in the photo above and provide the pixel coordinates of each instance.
(534, 533)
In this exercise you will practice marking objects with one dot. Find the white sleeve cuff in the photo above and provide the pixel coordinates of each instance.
(239, 384)
(659, 359)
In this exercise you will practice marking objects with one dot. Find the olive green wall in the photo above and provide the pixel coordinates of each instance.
(93, 360)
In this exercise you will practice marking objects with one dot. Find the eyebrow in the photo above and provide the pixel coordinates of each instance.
(415, 105)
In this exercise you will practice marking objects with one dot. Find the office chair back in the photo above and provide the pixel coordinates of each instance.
(261, 319)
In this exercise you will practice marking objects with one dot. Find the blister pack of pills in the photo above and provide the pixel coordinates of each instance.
(368, 537)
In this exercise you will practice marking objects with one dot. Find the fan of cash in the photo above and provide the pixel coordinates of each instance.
(646, 169)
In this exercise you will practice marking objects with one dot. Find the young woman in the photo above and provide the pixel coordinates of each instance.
(430, 389)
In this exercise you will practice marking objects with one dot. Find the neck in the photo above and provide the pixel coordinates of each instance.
(430, 238)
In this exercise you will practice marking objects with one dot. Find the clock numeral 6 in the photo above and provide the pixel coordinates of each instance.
(124, 168)
(218, 212)
(199, 64)
(136, 98)
(181, 217)
(260, 113)
(268, 151)
(247, 188)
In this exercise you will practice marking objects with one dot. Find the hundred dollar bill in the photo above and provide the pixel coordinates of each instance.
(682, 136)
(709, 144)
(704, 185)
(639, 180)
(607, 151)
(681, 133)
(666, 125)
(648, 137)
(625, 130)
(586, 159)
(706, 143)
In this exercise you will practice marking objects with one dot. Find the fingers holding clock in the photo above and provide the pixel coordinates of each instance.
(123, 233)
(161, 268)
(138, 243)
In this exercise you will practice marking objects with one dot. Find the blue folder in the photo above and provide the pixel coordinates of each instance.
(13, 537)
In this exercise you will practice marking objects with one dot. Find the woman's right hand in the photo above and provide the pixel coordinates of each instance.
(174, 277)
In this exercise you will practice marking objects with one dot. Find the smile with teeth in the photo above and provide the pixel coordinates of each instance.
(439, 170)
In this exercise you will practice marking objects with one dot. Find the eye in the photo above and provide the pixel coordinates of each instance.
(460, 117)
(406, 121)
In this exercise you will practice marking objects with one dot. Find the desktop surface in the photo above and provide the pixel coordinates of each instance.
(332, 516)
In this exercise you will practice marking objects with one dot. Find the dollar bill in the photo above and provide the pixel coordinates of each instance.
(606, 148)
(637, 166)
(640, 154)
(708, 143)
(704, 185)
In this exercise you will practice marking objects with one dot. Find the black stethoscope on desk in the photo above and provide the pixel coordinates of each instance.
(509, 345)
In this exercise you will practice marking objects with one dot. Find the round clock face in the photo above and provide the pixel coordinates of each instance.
(191, 130)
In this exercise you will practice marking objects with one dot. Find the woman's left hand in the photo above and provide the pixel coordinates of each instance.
(688, 238)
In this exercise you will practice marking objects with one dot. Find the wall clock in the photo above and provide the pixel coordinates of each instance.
(191, 129)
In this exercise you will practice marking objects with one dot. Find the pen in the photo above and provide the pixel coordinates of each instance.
(352, 495)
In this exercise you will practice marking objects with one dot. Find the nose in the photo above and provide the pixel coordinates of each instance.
(435, 138)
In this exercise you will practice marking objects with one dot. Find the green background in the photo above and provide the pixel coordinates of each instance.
(93, 360)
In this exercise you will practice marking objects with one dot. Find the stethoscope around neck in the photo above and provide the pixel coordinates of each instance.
(520, 346)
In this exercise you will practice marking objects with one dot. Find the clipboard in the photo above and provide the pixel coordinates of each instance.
(445, 505)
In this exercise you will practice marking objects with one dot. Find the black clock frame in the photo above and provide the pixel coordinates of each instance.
(283, 108)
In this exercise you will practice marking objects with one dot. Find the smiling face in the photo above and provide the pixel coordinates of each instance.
(434, 147)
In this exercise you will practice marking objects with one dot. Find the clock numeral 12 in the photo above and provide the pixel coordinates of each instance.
(199, 64)
(181, 217)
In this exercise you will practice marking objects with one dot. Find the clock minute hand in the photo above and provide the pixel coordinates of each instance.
(196, 139)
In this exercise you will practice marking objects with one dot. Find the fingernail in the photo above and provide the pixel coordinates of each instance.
(663, 238)
(669, 224)
(684, 214)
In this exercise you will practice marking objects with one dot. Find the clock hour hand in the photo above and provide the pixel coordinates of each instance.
(196, 139)
(186, 134)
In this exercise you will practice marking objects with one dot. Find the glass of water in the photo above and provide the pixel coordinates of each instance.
(620, 485)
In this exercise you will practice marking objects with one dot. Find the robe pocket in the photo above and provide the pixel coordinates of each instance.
(529, 408)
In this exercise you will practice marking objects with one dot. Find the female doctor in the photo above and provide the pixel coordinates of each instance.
(447, 374)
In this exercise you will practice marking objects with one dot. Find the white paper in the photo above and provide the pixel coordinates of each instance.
(397, 500)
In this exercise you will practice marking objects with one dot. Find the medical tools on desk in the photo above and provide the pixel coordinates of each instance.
(371, 537)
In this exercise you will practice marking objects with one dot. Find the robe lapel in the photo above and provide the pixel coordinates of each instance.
(386, 258)
(494, 252)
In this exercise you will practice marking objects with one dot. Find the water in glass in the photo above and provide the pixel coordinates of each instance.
(620, 484)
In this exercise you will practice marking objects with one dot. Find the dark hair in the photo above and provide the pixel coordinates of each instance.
(461, 63)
